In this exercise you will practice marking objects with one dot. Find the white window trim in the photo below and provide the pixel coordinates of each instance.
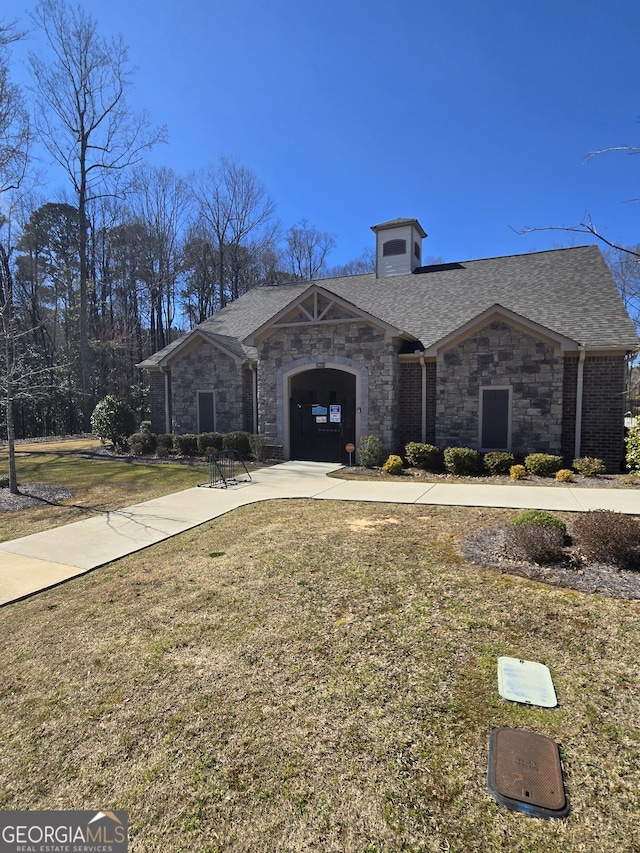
(215, 414)
(484, 388)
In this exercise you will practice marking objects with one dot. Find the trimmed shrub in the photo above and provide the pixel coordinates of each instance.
(518, 472)
(608, 537)
(142, 443)
(186, 445)
(426, 456)
(499, 461)
(238, 441)
(145, 426)
(565, 475)
(113, 421)
(543, 464)
(588, 466)
(258, 445)
(461, 460)
(393, 465)
(536, 543)
(632, 442)
(371, 452)
(541, 518)
(209, 442)
(165, 444)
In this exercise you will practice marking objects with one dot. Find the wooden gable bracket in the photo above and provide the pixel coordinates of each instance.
(318, 306)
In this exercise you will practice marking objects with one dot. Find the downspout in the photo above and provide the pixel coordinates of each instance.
(423, 367)
(579, 395)
(254, 395)
(167, 407)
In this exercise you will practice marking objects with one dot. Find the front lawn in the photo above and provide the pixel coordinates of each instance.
(316, 676)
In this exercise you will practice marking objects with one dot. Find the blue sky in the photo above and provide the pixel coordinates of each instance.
(474, 116)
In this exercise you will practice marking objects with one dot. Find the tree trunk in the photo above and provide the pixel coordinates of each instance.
(85, 368)
(7, 322)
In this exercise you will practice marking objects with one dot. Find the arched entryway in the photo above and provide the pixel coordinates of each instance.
(322, 414)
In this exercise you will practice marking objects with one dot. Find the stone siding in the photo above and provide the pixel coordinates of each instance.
(357, 342)
(205, 368)
(501, 355)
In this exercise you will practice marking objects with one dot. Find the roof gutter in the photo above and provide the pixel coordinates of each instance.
(579, 396)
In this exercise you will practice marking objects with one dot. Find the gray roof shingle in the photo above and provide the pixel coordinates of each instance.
(570, 291)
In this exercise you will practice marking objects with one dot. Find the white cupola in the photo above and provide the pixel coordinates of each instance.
(398, 247)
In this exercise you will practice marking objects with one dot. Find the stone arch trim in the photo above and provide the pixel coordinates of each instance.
(301, 365)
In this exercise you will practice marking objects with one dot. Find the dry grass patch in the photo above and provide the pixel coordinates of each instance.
(315, 676)
(98, 485)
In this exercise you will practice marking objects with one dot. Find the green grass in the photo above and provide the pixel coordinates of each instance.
(316, 676)
(98, 485)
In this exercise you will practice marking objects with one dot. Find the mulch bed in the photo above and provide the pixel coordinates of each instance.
(488, 548)
(32, 495)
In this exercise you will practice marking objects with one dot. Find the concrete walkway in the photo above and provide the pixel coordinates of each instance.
(42, 560)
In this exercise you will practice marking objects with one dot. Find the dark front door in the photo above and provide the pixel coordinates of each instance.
(322, 414)
(495, 419)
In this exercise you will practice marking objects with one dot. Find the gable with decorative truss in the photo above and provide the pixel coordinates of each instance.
(317, 306)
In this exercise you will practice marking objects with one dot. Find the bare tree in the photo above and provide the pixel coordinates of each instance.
(306, 250)
(85, 122)
(586, 224)
(234, 210)
(14, 158)
(161, 204)
(366, 263)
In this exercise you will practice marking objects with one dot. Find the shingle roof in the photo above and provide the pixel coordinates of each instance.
(569, 291)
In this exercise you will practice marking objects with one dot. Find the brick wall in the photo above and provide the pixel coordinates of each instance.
(569, 408)
(247, 400)
(156, 381)
(410, 428)
(603, 410)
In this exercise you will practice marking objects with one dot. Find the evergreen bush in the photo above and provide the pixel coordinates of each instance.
(258, 445)
(142, 443)
(463, 461)
(565, 475)
(543, 464)
(540, 518)
(113, 421)
(165, 444)
(588, 466)
(209, 442)
(499, 461)
(632, 442)
(371, 452)
(238, 441)
(518, 472)
(186, 444)
(425, 456)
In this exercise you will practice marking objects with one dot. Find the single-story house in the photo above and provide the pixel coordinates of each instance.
(527, 353)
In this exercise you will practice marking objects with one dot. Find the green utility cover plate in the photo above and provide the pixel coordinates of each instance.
(525, 773)
(526, 681)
